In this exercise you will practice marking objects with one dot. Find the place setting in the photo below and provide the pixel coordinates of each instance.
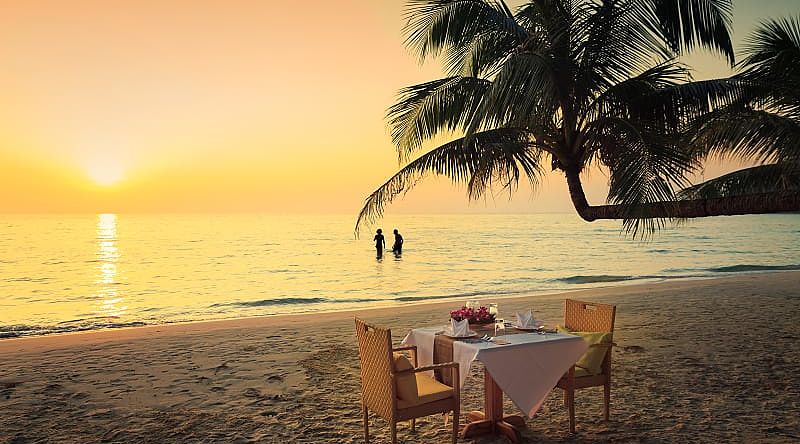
(458, 330)
(525, 321)
(472, 323)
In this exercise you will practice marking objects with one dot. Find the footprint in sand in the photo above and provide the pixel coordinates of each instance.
(79, 395)
(252, 393)
(203, 380)
(221, 367)
(7, 388)
(100, 414)
(275, 379)
(255, 393)
(52, 388)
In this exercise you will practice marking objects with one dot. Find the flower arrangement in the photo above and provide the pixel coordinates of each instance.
(474, 316)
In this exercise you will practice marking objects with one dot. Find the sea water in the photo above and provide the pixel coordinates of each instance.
(76, 272)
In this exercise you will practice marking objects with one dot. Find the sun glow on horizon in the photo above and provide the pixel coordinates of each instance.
(105, 174)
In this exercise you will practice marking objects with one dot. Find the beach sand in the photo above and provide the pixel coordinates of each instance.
(713, 360)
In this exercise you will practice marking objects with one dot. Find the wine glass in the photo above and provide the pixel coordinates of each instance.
(499, 327)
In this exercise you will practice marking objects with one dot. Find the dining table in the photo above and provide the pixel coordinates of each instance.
(525, 365)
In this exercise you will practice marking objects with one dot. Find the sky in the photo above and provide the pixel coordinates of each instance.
(228, 106)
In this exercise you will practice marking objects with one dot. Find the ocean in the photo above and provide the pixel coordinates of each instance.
(62, 273)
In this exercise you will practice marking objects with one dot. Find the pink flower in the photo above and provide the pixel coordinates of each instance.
(481, 315)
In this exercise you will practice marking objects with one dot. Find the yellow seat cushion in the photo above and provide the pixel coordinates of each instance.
(592, 360)
(428, 390)
(406, 385)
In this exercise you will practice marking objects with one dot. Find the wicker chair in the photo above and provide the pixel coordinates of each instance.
(589, 317)
(378, 383)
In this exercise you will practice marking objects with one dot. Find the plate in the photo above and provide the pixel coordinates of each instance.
(471, 334)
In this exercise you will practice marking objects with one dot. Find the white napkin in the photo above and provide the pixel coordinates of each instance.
(459, 328)
(525, 319)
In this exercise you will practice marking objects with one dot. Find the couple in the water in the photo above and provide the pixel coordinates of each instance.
(380, 242)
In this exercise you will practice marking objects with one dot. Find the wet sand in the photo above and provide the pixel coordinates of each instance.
(697, 361)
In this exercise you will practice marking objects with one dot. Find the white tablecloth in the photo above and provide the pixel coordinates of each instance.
(526, 369)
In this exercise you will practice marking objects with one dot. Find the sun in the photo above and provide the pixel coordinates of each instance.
(105, 174)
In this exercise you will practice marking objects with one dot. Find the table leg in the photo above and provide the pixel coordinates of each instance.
(491, 420)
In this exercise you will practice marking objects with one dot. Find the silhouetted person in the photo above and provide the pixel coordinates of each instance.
(380, 242)
(397, 248)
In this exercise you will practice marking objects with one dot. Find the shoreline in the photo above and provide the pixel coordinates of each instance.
(34, 343)
(397, 304)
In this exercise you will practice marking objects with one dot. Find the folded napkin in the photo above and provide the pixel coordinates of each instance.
(459, 328)
(525, 319)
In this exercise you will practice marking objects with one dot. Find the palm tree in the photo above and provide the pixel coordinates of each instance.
(567, 85)
(763, 124)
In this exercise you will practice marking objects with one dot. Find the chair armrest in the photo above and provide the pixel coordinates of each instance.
(428, 368)
(435, 367)
(411, 348)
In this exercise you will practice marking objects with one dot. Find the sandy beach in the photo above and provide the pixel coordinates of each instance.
(697, 361)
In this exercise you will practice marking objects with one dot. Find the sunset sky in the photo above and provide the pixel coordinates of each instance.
(239, 105)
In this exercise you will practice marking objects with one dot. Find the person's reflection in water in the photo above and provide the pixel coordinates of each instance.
(380, 243)
(397, 248)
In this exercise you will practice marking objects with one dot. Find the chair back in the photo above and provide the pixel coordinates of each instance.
(375, 355)
(589, 316)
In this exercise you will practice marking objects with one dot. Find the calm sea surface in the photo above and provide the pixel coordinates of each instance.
(65, 273)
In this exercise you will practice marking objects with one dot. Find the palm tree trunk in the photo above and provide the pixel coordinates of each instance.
(764, 203)
(577, 195)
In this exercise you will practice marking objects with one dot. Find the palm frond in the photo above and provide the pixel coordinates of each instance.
(645, 166)
(424, 110)
(524, 93)
(550, 18)
(689, 24)
(744, 132)
(622, 99)
(772, 65)
(450, 25)
(676, 106)
(773, 50)
(495, 154)
(506, 163)
(482, 56)
(610, 45)
(771, 178)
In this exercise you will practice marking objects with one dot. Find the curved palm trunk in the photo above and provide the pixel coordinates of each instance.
(577, 195)
(764, 203)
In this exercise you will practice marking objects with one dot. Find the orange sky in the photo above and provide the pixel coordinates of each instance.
(239, 105)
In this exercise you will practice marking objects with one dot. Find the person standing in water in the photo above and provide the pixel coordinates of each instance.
(380, 242)
(397, 248)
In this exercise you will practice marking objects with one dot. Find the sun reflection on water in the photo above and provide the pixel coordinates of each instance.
(107, 255)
